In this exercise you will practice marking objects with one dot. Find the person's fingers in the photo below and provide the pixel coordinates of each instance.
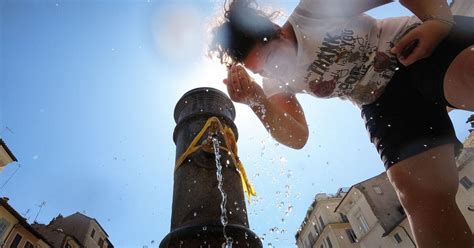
(245, 81)
(242, 79)
(403, 42)
(234, 84)
(418, 53)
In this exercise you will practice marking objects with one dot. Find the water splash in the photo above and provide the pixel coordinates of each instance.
(224, 219)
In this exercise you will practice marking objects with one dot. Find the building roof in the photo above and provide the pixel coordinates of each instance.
(22, 221)
(386, 206)
(319, 197)
(7, 150)
(55, 236)
(76, 224)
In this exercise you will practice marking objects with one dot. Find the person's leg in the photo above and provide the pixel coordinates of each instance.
(459, 81)
(426, 185)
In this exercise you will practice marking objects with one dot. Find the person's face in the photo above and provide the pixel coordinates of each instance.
(271, 59)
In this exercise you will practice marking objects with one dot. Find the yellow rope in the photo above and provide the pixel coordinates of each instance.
(231, 148)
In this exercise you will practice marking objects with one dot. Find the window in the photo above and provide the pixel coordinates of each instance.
(316, 228)
(3, 226)
(28, 245)
(307, 244)
(101, 243)
(377, 189)
(329, 242)
(352, 237)
(322, 223)
(363, 223)
(344, 218)
(311, 239)
(16, 241)
(92, 233)
(466, 182)
(397, 238)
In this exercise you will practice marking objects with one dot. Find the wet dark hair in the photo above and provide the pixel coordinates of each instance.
(244, 27)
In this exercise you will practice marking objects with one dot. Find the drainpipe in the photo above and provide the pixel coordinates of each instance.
(196, 212)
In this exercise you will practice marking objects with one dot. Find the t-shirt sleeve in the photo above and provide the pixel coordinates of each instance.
(330, 8)
(317, 8)
(272, 87)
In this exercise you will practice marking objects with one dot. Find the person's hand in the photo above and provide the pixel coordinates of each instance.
(425, 38)
(241, 87)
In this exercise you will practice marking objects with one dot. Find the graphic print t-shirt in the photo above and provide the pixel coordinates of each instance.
(346, 57)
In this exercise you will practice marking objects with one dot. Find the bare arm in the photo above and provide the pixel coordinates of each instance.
(283, 118)
(436, 16)
(281, 114)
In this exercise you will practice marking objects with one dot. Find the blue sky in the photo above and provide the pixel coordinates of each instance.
(87, 92)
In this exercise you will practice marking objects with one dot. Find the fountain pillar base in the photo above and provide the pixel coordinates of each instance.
(205, 236)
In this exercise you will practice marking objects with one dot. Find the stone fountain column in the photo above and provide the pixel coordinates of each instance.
(196, 209)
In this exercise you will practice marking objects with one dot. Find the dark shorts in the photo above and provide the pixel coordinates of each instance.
(410, 117)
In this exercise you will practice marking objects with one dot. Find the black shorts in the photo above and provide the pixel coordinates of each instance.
(410, 117)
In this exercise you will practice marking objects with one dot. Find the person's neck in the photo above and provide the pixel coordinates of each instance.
(289, 33)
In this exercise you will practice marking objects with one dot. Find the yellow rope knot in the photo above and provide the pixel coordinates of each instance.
(230, 147)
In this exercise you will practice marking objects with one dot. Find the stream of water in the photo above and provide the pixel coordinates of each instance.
(224, 219)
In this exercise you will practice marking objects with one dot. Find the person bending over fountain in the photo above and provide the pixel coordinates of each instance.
(402, 72)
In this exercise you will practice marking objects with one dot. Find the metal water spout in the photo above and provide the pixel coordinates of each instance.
(196, 209)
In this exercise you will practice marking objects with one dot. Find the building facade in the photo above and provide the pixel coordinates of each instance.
(376, 215)
(373, 213)
(465, 195)
(6, 156)
(463, 7)
(57, 237)
(86, 230)
(323, 227)
(15, 232)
